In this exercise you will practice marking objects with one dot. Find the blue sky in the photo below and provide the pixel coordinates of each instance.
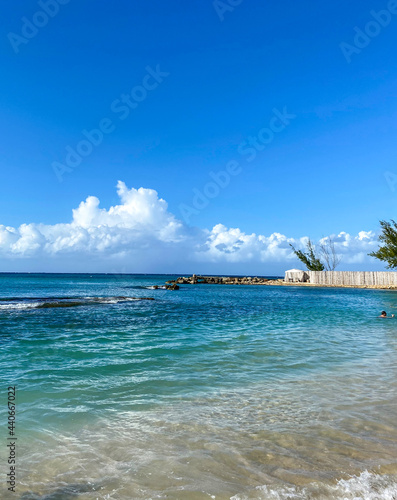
(226, 66)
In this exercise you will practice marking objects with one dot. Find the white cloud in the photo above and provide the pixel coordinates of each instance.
(232, 245)
(143, 235)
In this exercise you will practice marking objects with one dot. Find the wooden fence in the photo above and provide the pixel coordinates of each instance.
(352, 278)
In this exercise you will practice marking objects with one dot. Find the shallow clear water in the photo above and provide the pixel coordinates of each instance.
(212, 391)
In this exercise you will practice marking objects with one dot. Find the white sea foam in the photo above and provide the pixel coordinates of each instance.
(19, 306)
(366, 486)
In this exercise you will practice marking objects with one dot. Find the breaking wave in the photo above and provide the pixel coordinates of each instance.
(26, 303)
(147, 287)
(366, 486)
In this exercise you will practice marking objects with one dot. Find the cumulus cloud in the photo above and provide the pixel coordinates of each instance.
(141, 218)
(141, 233)
(233, 245)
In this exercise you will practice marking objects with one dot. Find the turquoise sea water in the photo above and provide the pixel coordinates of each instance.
(212, 391)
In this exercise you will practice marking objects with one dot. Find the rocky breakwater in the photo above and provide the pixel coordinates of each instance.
(222, 280)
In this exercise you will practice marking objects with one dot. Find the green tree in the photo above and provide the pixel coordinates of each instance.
(388, 251)
(309, 258)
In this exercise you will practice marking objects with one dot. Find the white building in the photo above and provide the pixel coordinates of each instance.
(296, 276)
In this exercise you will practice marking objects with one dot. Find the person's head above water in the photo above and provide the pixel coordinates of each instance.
(383, 314)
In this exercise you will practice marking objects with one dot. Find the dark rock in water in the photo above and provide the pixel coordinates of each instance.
(222, 280)
(172, 287)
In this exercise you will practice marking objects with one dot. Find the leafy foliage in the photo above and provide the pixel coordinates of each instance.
(388, 251)
(309, 258)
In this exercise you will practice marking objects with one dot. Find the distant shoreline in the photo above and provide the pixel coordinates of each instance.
(260, 281)
(13, 273)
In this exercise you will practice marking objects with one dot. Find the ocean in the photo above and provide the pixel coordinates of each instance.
(211, 391)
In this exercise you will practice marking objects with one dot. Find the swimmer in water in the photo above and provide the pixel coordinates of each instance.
(383, 314)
